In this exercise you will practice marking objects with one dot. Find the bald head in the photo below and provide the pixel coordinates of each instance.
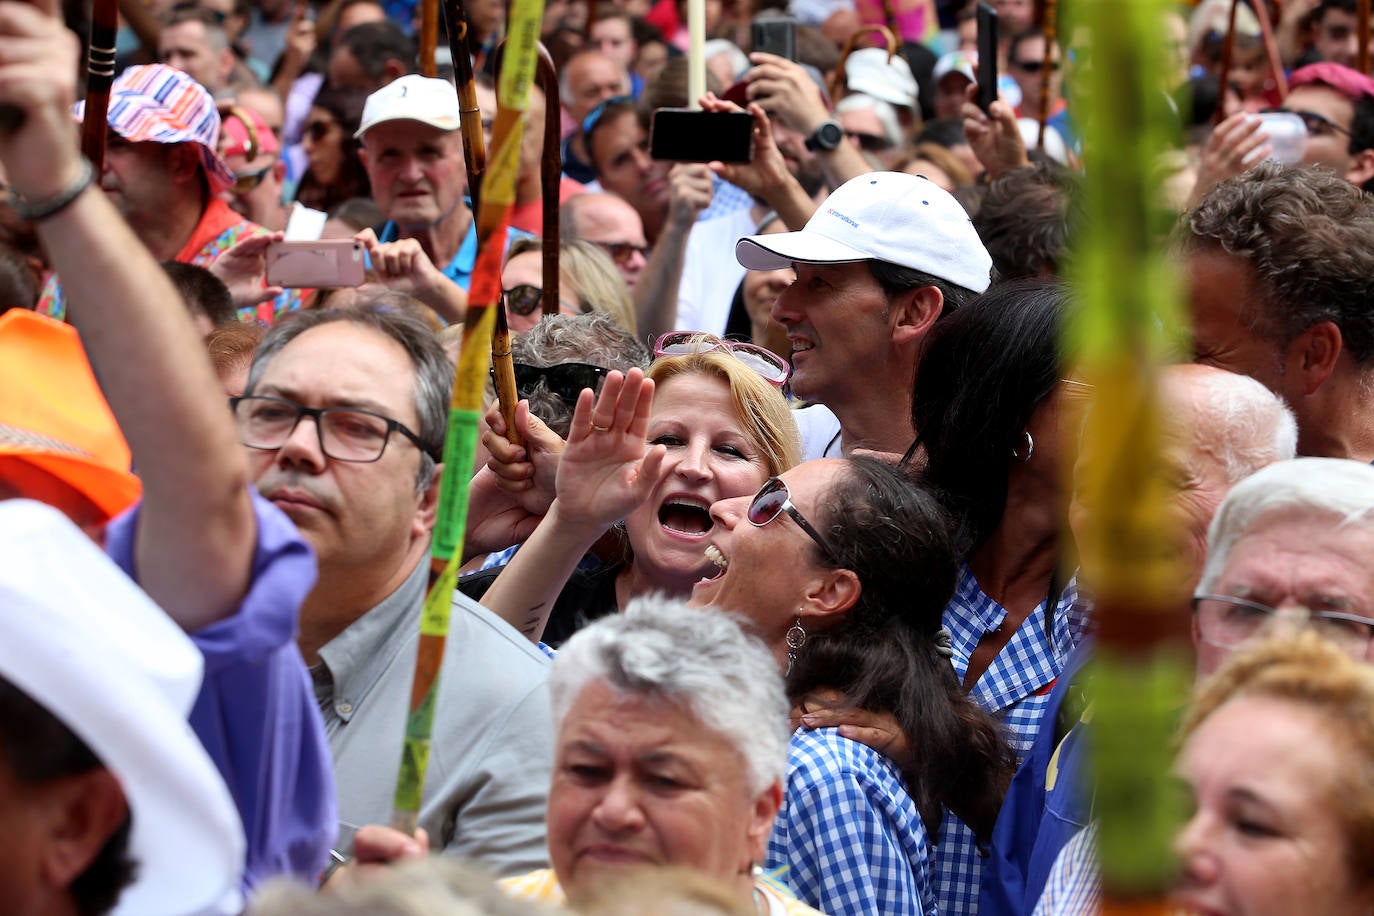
(588, 79)
(611, 223)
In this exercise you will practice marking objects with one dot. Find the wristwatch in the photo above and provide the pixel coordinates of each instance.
(826, 137)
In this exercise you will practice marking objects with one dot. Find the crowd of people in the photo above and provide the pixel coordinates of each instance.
(775, 594)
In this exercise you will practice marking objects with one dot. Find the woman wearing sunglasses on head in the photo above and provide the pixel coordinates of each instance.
(706, 422)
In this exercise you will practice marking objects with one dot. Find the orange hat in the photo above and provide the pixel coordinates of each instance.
(53, 416)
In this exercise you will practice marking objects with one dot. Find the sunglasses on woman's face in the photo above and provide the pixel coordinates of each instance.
(565, 380)
(523, 299)
(318, 130)
(772, 500)
(766, 363)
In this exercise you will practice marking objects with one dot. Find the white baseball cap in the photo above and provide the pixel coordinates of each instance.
(80, 639)
(869, 71)
(412, 98)
(964, 63)
(903, 219)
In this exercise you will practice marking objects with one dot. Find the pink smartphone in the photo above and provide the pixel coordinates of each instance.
(320, 264)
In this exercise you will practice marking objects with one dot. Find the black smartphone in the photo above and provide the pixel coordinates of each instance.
(683, 135)
(775, 36)
(987, 56)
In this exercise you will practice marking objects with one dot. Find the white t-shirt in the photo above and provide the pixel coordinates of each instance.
(710, 273)
(820, 432)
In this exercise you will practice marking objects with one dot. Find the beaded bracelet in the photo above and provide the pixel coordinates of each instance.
(36, 211)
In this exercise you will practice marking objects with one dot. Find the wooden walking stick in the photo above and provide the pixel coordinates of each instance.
(469, 114)
(1049, 27)
(470, 377)
(1224, 78)
(1271, 48)
(100, 72)
(429, 36)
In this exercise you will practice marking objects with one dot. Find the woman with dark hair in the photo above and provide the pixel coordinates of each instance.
(843, 568)
(848, 590)
(993, 414)
(335, 174)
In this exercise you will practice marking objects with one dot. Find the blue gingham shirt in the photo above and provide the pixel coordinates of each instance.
(849, 840)
(1074, 887)
(1015, 688)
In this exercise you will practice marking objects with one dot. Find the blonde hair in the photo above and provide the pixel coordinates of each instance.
(1309, 672)
(764, 416)
(589, 274)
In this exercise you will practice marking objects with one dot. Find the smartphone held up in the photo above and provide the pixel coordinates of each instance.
(684, 135)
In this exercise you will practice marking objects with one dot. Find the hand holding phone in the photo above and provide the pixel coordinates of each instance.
(987, 56)
(320, 264)
(682, 135)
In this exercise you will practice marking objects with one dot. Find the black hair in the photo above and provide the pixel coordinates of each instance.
(894, 535)
(1024, 220)
(373, 44)
(896, 279)
(345, 105)
(202, 292)
(982, 373)
(37, 747)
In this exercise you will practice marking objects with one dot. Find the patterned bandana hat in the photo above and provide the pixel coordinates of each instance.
(156, 103)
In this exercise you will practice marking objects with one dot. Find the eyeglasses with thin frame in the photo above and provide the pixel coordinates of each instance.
(564, 380)
(621, 252)
(1226, 622)
(773, 499)
(766, 363)
(344, 433)
(1316, 125)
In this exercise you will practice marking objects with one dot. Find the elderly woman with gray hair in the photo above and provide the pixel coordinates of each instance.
(671, 748)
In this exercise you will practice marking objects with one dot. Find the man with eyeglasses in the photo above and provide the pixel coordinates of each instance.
(608, 221)
(1336, 105)
(343, 425)
(163, 173)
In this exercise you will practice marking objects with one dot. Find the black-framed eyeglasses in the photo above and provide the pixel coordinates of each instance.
(523, 299)
(765, 362)
(621, 252)
(565, 380)
(869, 143)
(345, 433)
(1226, 622)
(772, 500)
(1316, 125)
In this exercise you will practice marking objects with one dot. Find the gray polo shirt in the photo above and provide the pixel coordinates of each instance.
(492, 749)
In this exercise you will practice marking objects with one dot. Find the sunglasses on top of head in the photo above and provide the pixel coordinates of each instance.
(766, 363)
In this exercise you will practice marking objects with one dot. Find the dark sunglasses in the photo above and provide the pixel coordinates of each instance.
(869, 143)
(565, 380)
(1035, 66)
(766, 363)
(772, 500)
(523, 299)
(621, 252)
(246, 181)
(318, 130)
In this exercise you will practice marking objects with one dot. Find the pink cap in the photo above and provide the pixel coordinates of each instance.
(1350, 83)
(242, 128)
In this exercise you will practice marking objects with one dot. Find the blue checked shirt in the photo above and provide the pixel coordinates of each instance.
(849, 840)
(1015, 688)
(1074, 887)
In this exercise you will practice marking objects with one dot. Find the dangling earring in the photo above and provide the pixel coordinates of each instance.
(1030, 447)
(796, 638)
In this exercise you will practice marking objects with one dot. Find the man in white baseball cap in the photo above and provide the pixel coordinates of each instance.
(412, 150)
(108, 798)
(881, 260)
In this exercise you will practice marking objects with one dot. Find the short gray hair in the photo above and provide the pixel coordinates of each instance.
(700, 657)
(1250, 426)
(1336, 488)
(886, 114)
(389, 314)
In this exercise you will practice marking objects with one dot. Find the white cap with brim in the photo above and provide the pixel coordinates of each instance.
(903, 219)
(84, 642)
(412, 98)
